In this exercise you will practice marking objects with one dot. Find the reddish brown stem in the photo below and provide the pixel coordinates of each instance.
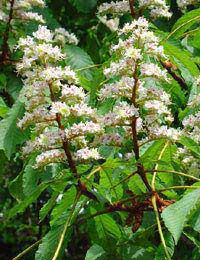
(140, 169)
(178, 79)
(132, 8)
(65, 142)
(6, 34)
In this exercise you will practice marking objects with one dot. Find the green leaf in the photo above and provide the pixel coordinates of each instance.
(135, 252)
(2, 80)
(28, 200)
(78, 59)
(150, 157)
(65, 203)
(48, 206)
(94, 252)
(191, 145)
(176, 215)
(184, 57)
(11, 136)
(49, 243)
(3, 108)
(84, 6)
(30, 178)
(106, 226)
(51, 240)
(16, 185)
(185, 22)
(196, 40)
(160, 252)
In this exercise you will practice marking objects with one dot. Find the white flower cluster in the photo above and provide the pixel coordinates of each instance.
(21, 10)
(182, 4)
(157, 8)
(55, 105)
(135, 78)
(191, 129)
(192, 126)
(188, 161)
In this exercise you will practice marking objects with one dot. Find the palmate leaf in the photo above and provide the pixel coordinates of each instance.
(176, 215)
(11, 136)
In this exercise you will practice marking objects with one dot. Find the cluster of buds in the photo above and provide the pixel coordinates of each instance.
(56, 110)
(157, 8)
(21, 10)
(135, 79)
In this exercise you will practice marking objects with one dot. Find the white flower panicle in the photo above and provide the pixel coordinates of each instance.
(53, 102)
(157, 8)
(134, 79)
(22, 11)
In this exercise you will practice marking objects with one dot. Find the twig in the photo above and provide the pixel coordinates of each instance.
(175, 172)
(160, 227)
(64, 142)
(154, 203)
(132, 8)
(177, 78)
(89, 67)
(6, 34)
(27, 250)
(67, 224)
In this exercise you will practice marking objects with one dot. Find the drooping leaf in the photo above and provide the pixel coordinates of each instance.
(27, 201)
(30, 178)
(65, 203)
(150, 157)
(176, 215)
(191, 145)
(48, 206)
(63, 222)
(50, 241)
(94, 252)
(185, 22)
(11, 136)
(16, 185)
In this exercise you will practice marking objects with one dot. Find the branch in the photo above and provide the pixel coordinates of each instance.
(168, 66)
(27, 250)
(132, 8)
(4, 55)
(64, 142)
